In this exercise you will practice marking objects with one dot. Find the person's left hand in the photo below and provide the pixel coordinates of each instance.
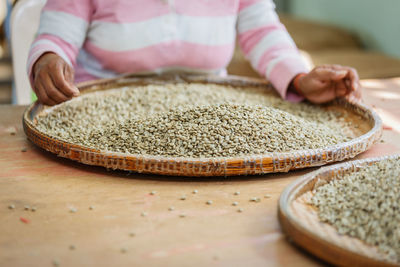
(327, 82)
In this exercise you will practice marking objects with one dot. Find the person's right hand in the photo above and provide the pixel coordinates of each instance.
(53, 80)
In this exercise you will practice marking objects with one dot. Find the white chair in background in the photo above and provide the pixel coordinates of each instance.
(24, 24)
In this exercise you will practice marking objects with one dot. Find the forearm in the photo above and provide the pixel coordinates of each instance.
(268, 46)
(62, 30)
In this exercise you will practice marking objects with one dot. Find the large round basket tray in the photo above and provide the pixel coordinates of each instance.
(299, 220)
(369, 130)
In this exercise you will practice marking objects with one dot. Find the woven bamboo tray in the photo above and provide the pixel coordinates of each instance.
(300, 222)
(369, 131)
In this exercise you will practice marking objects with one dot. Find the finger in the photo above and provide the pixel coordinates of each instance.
(357, 94)
(337, 67)
(341, 88)
(326, 96)
(69, 74)
(327, 73)
(323, 96)
(352, 76)
(59, 80)
(42, 95)
(52, 91)
(315, 86)
(69, 77)
(354, 79)
(347, 83)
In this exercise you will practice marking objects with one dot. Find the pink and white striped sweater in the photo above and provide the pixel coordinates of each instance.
(105, 38)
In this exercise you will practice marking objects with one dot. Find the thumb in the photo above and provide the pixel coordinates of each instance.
(330, 74)
(338, 74)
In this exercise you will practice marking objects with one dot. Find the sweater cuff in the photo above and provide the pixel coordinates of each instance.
(37, 51)
(283, 73)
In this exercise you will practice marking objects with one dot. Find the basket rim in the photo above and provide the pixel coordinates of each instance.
(90, 86)
(293, 191)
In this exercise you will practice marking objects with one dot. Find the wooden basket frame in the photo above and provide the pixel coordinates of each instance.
(226, 166)
(314, 241)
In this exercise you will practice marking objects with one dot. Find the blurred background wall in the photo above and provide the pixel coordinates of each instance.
(377, 23)
(363, 34)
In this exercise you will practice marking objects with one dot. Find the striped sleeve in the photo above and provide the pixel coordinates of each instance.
(269, 47)
(62, 30)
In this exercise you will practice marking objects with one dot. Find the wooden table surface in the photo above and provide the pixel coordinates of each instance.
(208, 235)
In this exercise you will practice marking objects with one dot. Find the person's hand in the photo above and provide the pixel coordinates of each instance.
(53, 80)
(327, 82)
